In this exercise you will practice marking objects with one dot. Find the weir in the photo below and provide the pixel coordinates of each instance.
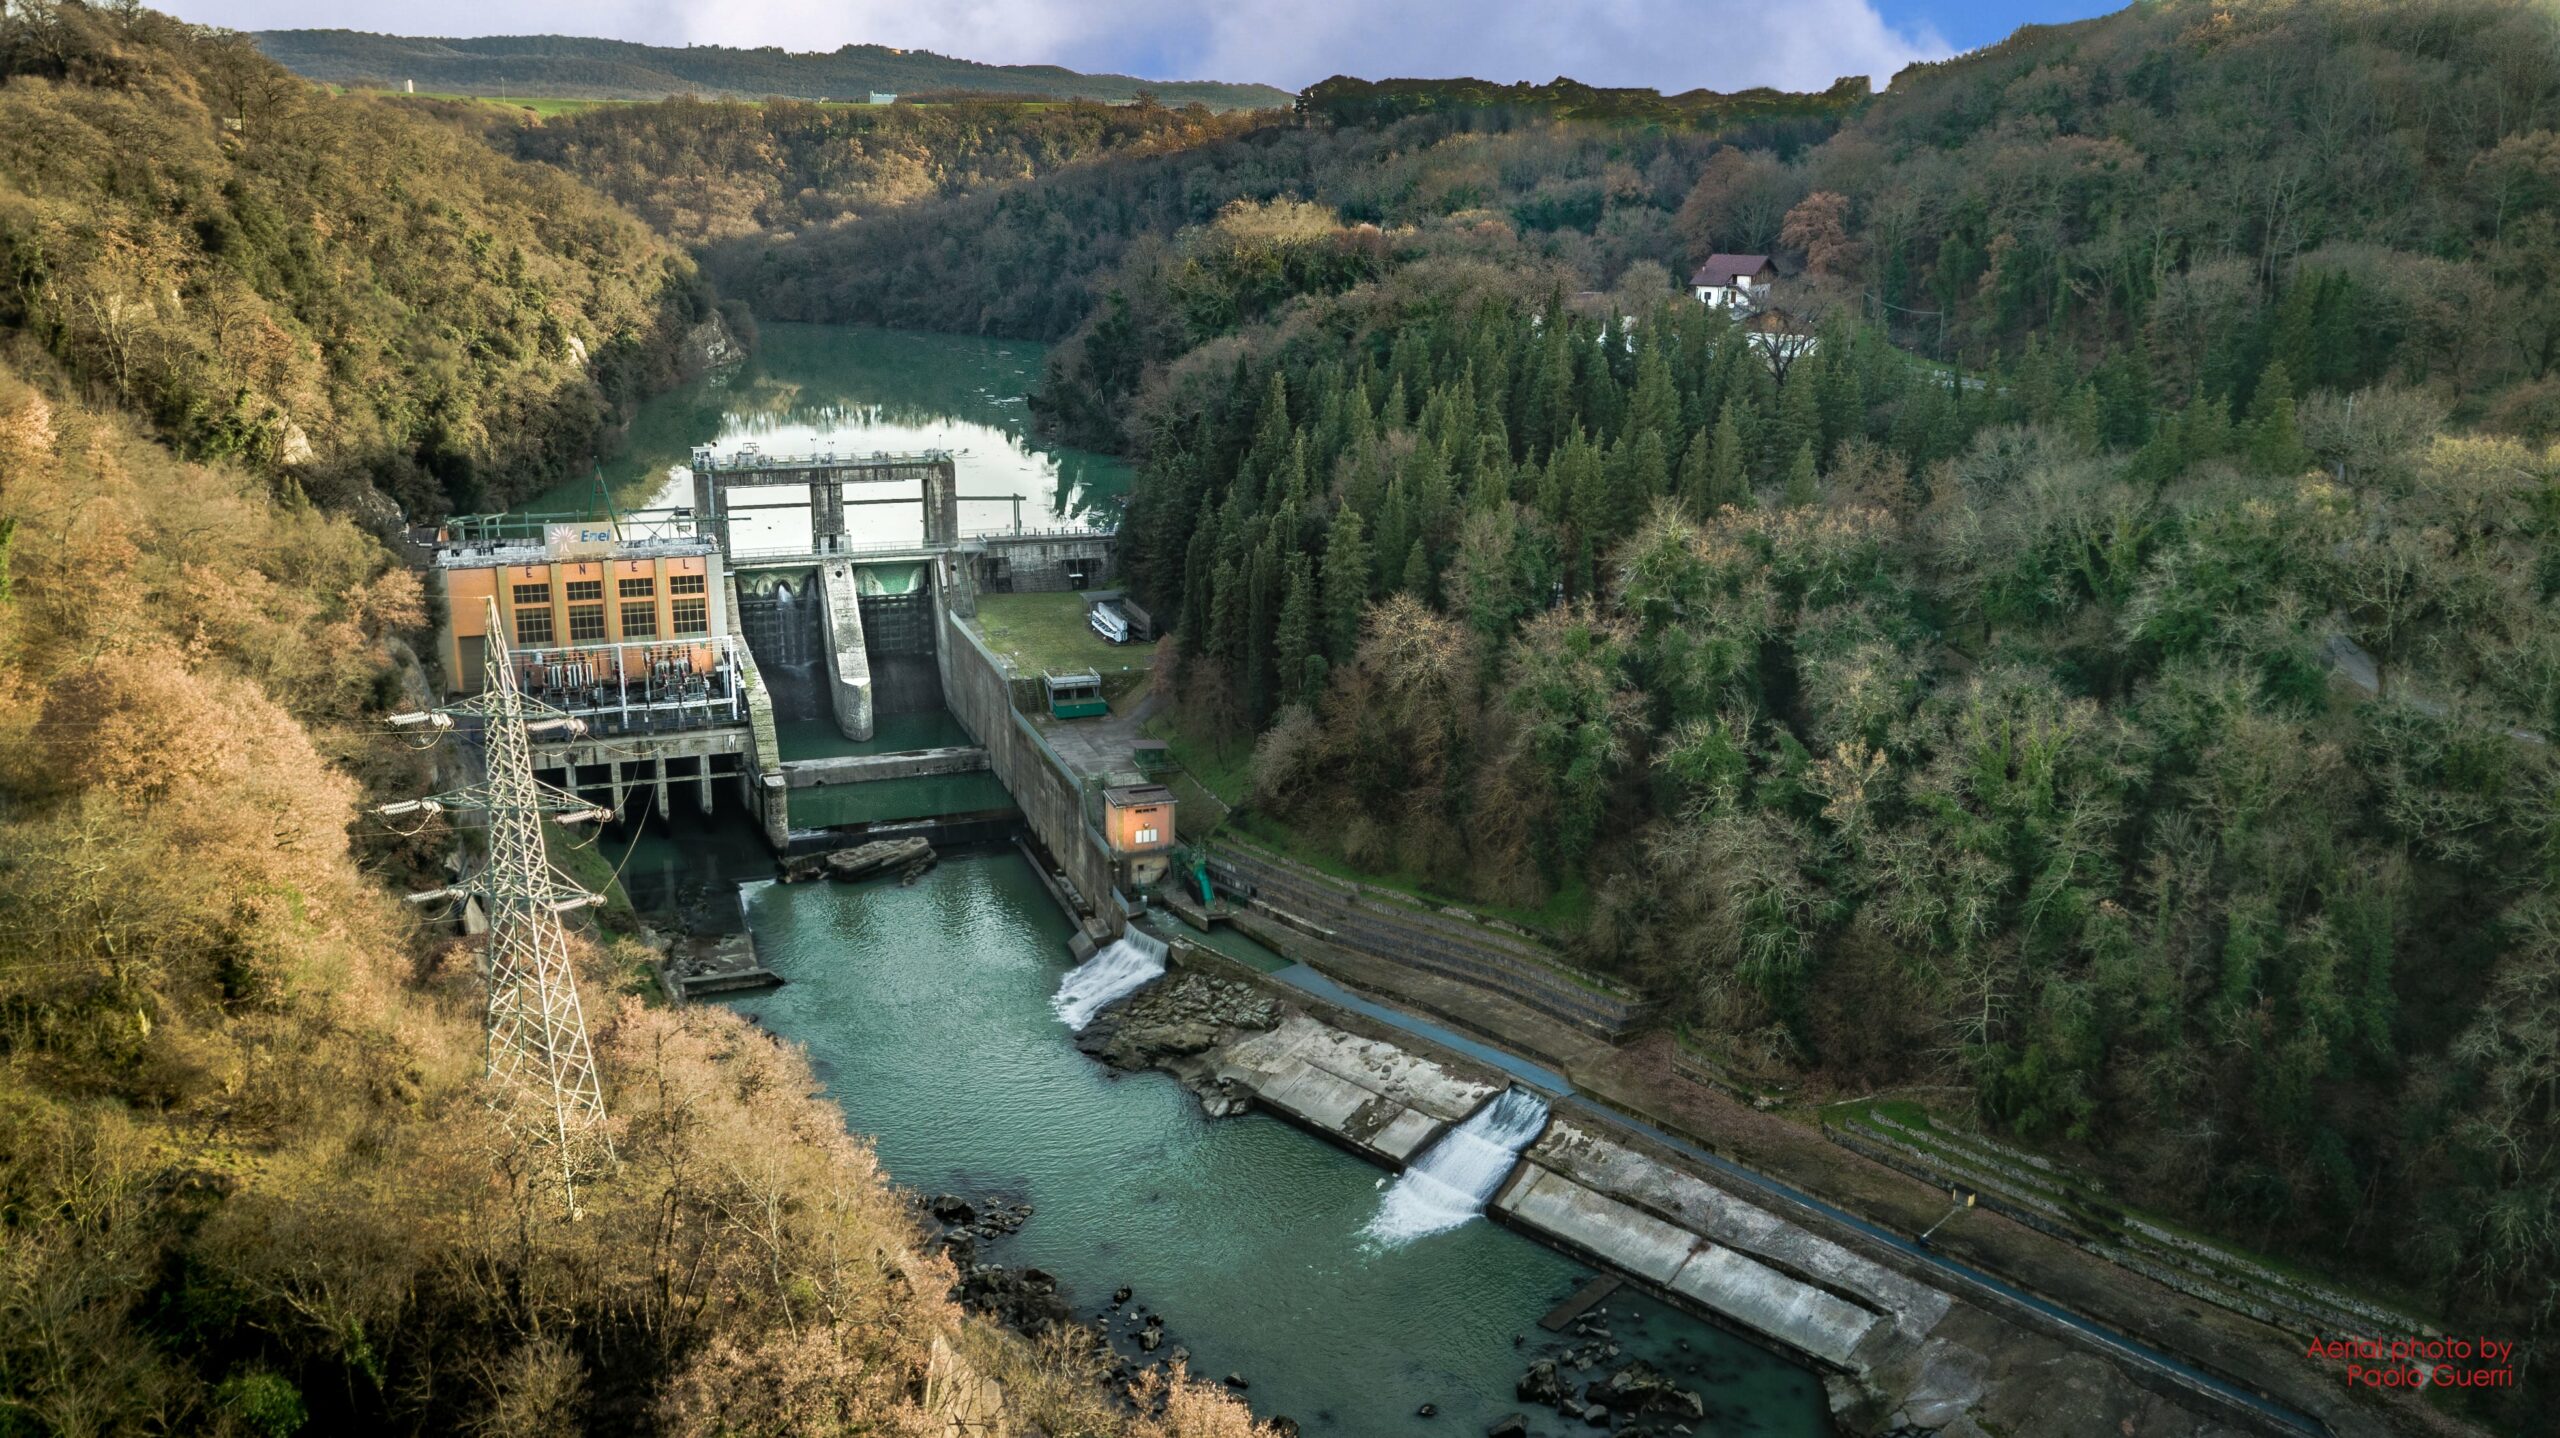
(1127, 965)
(1455, 1177)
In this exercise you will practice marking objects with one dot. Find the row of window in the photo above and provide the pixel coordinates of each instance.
(689, 616)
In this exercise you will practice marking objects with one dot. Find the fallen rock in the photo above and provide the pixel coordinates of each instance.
(1023, 1299)
(1509, 1425)
(1543, 1383)
(1639, 1387)
(1236, 1381)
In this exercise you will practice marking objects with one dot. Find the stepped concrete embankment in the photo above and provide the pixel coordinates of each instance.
(1370, 1096)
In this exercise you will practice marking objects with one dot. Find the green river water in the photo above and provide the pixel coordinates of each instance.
(926, 1012)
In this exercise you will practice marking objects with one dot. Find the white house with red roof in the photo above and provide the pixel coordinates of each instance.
(1734, 281)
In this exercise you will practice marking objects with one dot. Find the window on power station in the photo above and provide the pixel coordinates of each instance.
(692, 616)
(579, 589)
(640, 619)
(1147, 836)
(533, 624)
(641, 588)
(688, 584)
(586, 623)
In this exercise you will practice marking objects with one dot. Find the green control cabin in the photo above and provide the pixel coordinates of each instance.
(1075, 696)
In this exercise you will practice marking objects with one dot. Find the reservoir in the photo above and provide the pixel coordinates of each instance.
(927, 1012)
(855, 389)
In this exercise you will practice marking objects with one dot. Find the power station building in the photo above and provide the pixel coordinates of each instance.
(632, 633)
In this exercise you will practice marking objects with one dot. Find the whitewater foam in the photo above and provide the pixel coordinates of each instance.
(1452, 1180)
(1129, 964)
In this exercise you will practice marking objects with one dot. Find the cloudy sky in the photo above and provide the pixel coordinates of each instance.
(1669, 44)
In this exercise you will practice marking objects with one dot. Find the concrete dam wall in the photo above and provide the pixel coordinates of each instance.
(977, 687)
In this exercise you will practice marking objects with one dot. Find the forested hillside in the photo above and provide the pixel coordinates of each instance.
(2094, 646)
(359, 294)
(249, 1181)
(1038, 260)
(585, 67)
(704, 171)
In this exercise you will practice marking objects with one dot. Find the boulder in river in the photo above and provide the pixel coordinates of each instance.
(1023, 1299)
(1543, 1383)
(1509, 1425)
(1639, 1387)
(909, 856)
(952, 1208)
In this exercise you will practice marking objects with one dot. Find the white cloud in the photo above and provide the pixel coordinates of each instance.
(1668, 44)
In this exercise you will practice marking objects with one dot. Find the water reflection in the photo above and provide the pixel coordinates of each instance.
(856, 389)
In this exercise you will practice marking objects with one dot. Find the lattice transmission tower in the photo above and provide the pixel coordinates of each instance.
(542, 1068)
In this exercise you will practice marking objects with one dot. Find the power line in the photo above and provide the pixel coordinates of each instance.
(542, 1067)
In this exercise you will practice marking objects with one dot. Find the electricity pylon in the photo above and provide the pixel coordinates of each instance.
(543, 1070)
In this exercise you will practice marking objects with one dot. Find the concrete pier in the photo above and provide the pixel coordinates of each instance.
(848, 662)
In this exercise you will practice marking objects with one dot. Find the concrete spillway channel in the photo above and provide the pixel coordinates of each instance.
(1898, 1346)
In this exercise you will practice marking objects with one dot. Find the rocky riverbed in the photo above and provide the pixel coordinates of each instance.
(1170, 1024)
(1127, 1338)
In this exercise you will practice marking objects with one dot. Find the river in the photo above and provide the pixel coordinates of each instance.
(926, 1012)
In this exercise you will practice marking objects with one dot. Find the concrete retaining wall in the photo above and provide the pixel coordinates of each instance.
(862, 768)
(761, 785)
(976, 686)
(848, 662)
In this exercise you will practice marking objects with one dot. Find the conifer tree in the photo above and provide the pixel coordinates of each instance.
(1347, 582)
(1728, 471)
(1803, 487)
(1417, 573)
(2275, 443)
(1296, 640)
(1697, 475)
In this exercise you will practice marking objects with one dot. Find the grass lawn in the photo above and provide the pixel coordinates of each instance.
(1047, 633)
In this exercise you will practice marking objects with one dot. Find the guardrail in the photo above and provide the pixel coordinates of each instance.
(748, 457)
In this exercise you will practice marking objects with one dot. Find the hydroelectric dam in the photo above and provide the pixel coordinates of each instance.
(758, 653)
(753, 649)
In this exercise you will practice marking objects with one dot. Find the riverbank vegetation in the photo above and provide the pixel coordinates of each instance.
(2092, 644)
(249, 1180)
